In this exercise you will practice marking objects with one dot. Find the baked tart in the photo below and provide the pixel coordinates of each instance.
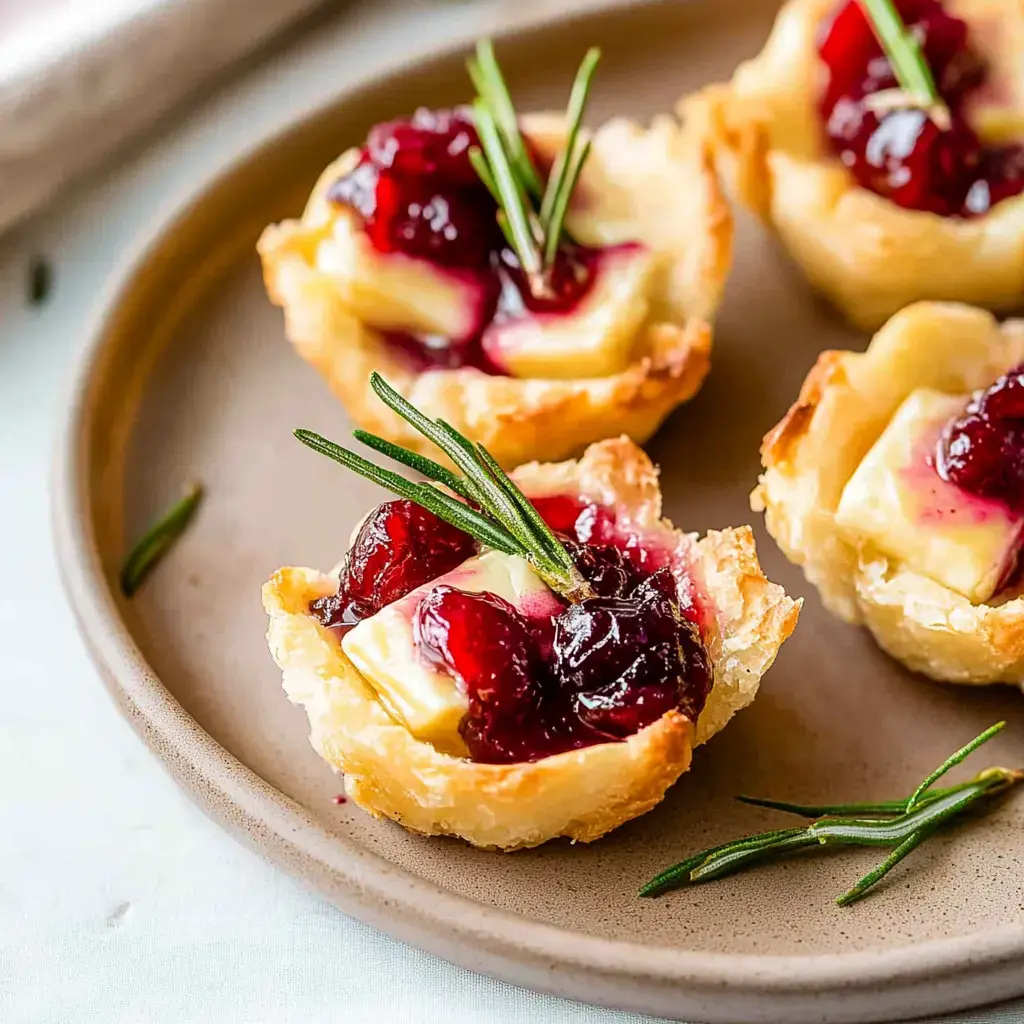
(509, 693)
(896, 481)
(884, 199)
(590, 319)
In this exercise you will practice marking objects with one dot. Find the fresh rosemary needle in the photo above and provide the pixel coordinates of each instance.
(158, 540)
(917, 84)
(531, 214)
(902, 825)
(481, 499)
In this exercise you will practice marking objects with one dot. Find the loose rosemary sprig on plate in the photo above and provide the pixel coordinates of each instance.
(531, 214)
(158, 540)
(901, 824)
(917, 84)
(485, 502)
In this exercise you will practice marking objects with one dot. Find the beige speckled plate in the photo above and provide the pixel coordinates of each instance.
(188, 375)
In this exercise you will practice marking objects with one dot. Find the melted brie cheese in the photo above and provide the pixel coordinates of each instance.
(897, 500)
(383, 647)
(596, 339)
(391, 291)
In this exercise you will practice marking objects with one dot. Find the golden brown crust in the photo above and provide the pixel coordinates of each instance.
(844, 405)
(654, 185)
(869, 256)
(581, 794)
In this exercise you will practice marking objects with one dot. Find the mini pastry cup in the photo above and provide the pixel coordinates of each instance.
(581, 794)
(869, 256)
(657, 186)
(844, 405)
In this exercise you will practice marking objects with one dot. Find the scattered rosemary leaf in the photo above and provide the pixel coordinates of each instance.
(902, 825)
(158, 540)
(40, 281)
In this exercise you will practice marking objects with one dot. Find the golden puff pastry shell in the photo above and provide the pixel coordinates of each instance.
(868, 255)
(655, 185)
(581, 794)
(846, 401)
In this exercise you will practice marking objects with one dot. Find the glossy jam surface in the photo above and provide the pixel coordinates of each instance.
(982, 451)
(903, 155)
(399, 547)
(418, 195)
(595, 672)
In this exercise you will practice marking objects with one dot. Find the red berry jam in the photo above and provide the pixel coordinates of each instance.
(399, 547)
(903, 155)
(538, 684)
(418, 195)
(982, 451)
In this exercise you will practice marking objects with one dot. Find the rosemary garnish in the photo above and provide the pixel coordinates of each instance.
(531, 215)
(40, 281)
(917, 84)
(901, 824)
(485, 502)
(158, 539)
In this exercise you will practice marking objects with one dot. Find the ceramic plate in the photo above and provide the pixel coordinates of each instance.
(187, 375)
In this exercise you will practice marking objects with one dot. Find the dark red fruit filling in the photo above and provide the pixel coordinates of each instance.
(596, 672)
(903, 155)
(399, 547)
(418, 195)
(982, 451)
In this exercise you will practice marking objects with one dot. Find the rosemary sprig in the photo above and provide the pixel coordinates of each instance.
(531, 215)
(158, 540)
(485, 502)
(917, 84)
(489, 82)
(901, 824)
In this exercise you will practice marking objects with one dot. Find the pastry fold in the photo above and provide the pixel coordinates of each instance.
(869, 256)
(582, 793)
(653, 185)
(845, 403)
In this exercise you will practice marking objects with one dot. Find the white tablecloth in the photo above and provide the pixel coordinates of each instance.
(120, 903)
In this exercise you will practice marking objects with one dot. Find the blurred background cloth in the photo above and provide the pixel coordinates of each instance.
(80, 77)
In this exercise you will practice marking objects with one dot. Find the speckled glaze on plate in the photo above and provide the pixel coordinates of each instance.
(187, 375)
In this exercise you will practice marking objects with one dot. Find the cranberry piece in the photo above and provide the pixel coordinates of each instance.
(419, 195)
(428, 220)
(399, 547)
(903, 155)
(603, 566)
(982, 451)
(570, 279)
(487, 645)
(574, 517)
(432, 143)
(629, 660)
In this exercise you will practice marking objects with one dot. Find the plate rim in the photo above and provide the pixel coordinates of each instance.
(938, 975)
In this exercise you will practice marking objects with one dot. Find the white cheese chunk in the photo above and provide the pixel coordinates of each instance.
(897, 500)
(383, 647)
(596, 339)
(391, 291)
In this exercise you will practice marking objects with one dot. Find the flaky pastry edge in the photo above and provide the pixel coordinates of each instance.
(580, 794)
(845, 403)
(531, 418)
(869, 256)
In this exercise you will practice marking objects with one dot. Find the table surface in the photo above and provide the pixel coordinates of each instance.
(119, 901)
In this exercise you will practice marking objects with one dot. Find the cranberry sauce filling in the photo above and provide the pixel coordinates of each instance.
(538, 684)
(903, 155)
(982, 451)
(399, 547)
(418, 195)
